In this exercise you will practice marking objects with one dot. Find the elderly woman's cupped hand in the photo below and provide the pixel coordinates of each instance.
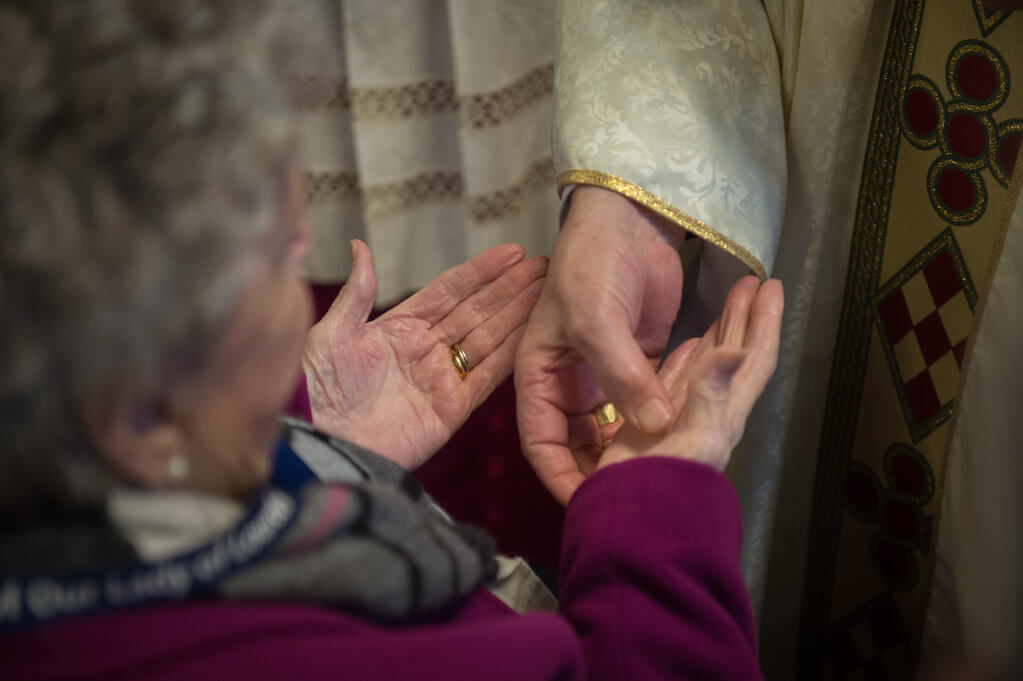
(713, 382)
(390, 384)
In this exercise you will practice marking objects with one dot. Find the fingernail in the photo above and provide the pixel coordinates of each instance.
(654, 416)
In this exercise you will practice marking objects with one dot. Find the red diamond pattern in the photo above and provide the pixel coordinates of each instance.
(942, 278)
(923, 398)
(960, 352)
(895, 314)
(924, 314)
(932, 337)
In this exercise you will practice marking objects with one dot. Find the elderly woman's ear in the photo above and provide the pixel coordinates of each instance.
(139, 444)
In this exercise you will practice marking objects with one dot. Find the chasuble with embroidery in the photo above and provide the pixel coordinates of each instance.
(866, 153)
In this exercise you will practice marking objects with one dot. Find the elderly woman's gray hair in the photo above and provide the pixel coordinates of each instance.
(145, 148)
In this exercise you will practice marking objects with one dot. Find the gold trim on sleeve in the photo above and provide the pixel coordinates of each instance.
(664, 209)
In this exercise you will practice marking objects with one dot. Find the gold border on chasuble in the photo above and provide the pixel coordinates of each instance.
(933, 194)
(666, 210)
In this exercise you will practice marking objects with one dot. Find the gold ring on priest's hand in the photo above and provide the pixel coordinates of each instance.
(460, 360)
(605, 414)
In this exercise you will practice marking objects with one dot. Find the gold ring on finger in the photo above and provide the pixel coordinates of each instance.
(460, 360)
(605, 414)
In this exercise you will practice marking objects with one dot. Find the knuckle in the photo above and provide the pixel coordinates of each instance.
(584, 328)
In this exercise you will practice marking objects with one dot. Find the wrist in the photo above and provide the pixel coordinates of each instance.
(589, 204)
(620, 453)
(614, 455)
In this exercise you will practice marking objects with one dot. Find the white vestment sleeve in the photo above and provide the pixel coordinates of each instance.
(679, 108)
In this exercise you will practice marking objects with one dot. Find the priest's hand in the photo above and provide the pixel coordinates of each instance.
(596, 334)
(714, 381)
(391, 385)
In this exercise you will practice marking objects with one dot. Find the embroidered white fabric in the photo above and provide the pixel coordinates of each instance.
(425, 129)
(751, 117)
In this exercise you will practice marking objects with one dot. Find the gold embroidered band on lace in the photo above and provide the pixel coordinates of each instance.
(493, 108)
(418, 99)
(664, 209)
(326, 186)
(382, 200)
(508, 201)
(309, 93)
(479, 110)
(312, 92)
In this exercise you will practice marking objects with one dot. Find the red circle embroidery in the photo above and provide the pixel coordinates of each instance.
(909, 476)
(1008, 152)
(901, 518)
(921, 113)
(976, 77)
(966, 135)
(956, 190)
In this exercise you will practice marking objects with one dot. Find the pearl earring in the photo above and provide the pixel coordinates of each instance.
(177, 466)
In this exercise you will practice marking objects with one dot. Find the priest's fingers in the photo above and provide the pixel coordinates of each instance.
(587, 439)
(625, 373)
(543, 423)
(556, 467)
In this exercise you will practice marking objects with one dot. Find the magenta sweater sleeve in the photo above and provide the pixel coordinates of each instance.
(650, 574)
(650, 589)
